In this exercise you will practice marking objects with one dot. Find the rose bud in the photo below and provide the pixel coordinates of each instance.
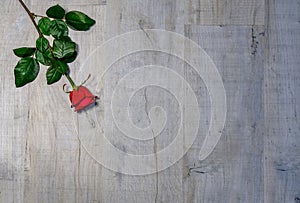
(82, 98)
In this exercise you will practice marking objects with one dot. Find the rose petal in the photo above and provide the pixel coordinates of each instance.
(82, 98)
(85, 103)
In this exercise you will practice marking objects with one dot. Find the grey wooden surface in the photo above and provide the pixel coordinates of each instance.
(255, 46)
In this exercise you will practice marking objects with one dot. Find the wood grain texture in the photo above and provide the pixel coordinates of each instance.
(255, 46)
(282, 151)
(65, 2)
(225, 12)
(233, 172)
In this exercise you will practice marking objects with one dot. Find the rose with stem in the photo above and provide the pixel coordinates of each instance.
(32, 16)
(63, 51)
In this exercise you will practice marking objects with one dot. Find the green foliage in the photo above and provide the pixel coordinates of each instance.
(58, 29)
(55, 71)
(44, 25)
(52, 76)
(26, 71)
(77, 20)
(70, 59)
(24, 51)
(63, 48)
(56, 12)
(42, 44)
(57, 56)
(60, 66)
(44, 58)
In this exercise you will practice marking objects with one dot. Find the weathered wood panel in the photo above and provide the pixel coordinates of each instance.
(233, 172)
(14, 106)
(225, 12)
(281, 101)
(64, 2)
(255, 46)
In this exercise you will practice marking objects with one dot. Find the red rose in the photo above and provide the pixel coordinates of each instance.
(82, 98)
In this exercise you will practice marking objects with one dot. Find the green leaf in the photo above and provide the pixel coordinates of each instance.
(66, 38)
(55, 71)
(44, 58)
(56, 12)
(42, 44)
(53, 75)
(44, 25)
(70, 59)
(77, 20)
(58, 29)
(60, 66)
(62, 48)
(26, 71)
(24, 51)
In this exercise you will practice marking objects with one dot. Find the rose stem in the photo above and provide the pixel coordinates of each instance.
(74, 86)
(31, 15)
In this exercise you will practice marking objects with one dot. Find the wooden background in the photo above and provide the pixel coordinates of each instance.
(255, 45)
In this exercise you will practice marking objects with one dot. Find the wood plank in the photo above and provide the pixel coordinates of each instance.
(55, 168)
(233, 172)
(144, 14)
(65, 2)
(225, 12)
(258, 156)
(282, 81)
(13, 103)
(128, 16)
